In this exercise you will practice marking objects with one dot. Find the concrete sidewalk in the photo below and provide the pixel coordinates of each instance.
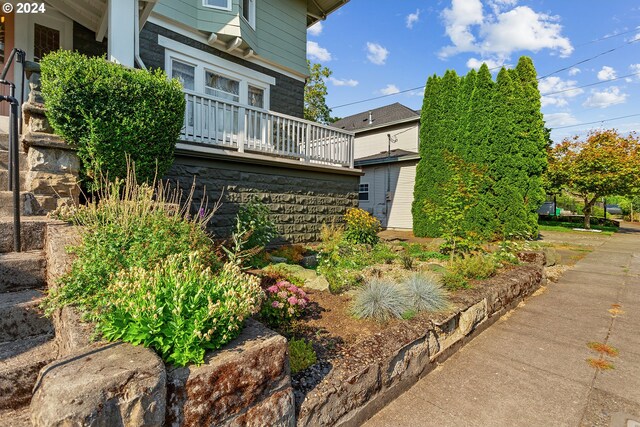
(530, 368)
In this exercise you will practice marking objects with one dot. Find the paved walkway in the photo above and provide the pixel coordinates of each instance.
(530, 369)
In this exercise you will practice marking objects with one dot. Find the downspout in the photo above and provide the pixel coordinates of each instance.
(136, 42)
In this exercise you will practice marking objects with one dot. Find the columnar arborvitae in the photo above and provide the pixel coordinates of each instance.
(498, 128)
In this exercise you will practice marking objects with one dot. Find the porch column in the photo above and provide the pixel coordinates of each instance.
(121, 43)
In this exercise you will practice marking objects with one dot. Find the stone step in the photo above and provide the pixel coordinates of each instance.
(4, 179)
(23, 270)
(16, 417)
(4, 141)
(20, 364)
(4, 160)
(21, 317)
(32, 229)
(29, 205)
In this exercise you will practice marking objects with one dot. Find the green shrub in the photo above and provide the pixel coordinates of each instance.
(131, 225)
(423, 253)
(382, 253)
(285, 303)
(301, 355)
(362, 227)
(380, 300)
(425, 293)
(109, 112)
(254, 220)
(407, 261)
(453, 281)
(179, 307)
(477, 266)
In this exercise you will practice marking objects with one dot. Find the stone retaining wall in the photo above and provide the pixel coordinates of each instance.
(300, 200)
(385, 365)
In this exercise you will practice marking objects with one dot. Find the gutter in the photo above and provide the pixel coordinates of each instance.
(385, 160)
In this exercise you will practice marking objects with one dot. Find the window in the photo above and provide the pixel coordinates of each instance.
(249, 12)
(256, 97)
(185, 73)
(363, 192)
(222, 87)
(217, 4)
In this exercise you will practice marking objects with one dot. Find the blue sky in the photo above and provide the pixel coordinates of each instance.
(381, 47)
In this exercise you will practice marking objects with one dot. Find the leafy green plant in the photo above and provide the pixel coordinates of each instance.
(362, 227)
(407, 261)
(425, 293)
(454, 281)
(254, 217)
(423, 253)
(476, 266)
(285, 302)
(179, 307)
(380, 300)
(301, 355)
(129, 225)
(382, 253)
(110, 112)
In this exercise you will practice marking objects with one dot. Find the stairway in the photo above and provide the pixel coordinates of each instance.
(26, 337)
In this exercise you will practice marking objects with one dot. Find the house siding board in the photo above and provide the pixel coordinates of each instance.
(280, 35)
(300, 201)
(374, 142)
(84, 41)
(286, 97)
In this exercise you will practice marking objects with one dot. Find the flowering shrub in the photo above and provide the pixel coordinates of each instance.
(362, 227)
(180, 307)
(285, 302)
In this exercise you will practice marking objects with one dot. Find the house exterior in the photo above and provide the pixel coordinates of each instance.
(243, 67)
(386, 149)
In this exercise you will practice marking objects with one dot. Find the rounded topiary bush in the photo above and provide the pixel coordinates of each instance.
(110, 112)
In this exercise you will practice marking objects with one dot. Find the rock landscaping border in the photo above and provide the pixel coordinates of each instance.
(381, 367)
(248, 382)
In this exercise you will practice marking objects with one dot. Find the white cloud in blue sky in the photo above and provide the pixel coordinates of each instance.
(317, 53)
(605, 98)
(550, 87)
(500, 33)
(315, 29)
(377, 54)
(606, 73)
(390, 89)
(412, 19)
(343, 82)
(574, 71)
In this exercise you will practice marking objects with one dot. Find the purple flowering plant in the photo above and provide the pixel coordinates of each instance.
(285, 302)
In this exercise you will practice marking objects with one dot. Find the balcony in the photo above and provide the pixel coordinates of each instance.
(246, 129)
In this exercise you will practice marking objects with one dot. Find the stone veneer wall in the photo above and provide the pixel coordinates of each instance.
(286, 97)
(301, 200)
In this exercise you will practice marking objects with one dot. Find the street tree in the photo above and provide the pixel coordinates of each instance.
(604, 164)
(315, 93)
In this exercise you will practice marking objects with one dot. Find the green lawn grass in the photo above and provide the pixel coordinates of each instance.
(569, 226)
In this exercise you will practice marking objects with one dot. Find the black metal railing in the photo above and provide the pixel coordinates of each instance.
(13, 166)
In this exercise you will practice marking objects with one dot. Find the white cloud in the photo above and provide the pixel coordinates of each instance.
(501, 33)
(377, 54)
(477, 63)
(551, 85)
(559, 119)
(635, 68)
(343, 82)
(606, 73)
(574, 71)
(412, 18)
(390, 89)
(315, 29)
(314, 51)
(605, 98)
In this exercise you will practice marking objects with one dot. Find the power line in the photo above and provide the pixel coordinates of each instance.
(608, 37)
(590, 84)
(597, 121)
(588, 59)
(495, 68)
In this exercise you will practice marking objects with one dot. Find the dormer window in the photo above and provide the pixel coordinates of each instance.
(217, 4)
(249, 12)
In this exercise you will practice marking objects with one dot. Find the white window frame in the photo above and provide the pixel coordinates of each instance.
(204, 61)
(362, 192)
(211, 6)
(252, 14)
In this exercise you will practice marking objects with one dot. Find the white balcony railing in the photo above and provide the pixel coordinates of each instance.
(232, 125)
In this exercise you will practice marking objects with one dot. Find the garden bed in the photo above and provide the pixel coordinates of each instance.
(362, 365)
